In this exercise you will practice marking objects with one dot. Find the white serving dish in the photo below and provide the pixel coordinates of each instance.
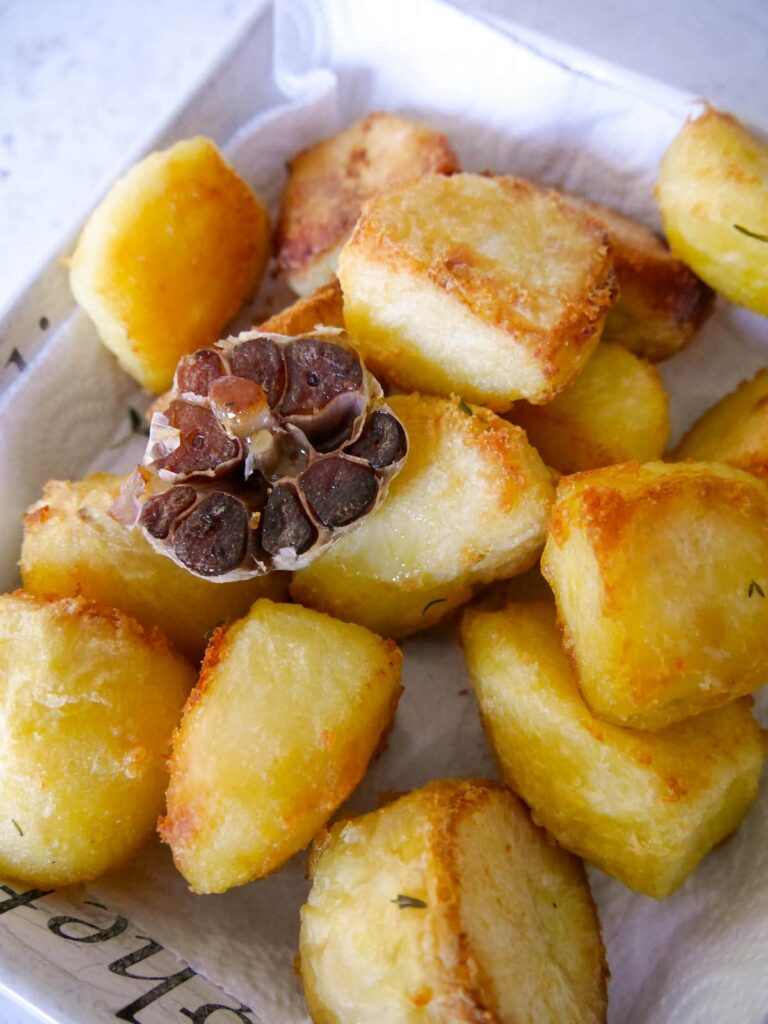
(535, 106)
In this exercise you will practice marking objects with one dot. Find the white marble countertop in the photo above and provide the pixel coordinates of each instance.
(82, 82)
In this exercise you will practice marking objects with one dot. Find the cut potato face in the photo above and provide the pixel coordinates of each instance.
(661, 303)
(659, 572)
(713, 197)
(88, 702)
(643, 806)
(168, 257)
(733, 431)
(323, 308)
(449, 905)
(290, 707)
(469, 506)
(72, 545)
(495, 289)
(329, 182)
(616, 410)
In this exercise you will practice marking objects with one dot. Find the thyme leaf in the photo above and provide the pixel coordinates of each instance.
(210, 631)
(751, 234)
(465, 408)
(432, 603)
(409, 903)
(138, 426)
(755, 586)
(17, 826)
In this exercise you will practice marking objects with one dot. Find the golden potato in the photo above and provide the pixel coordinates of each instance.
(469, 506)
(450, 906)
(169, 255)
(733, 431)
(643, 806)
(325, 306)
(289, 710)
(88, 702)
(615, 410)
(713, 197)
(659, 573)
(73, 546)
(329, 182)
(661, 303)
(492, 288)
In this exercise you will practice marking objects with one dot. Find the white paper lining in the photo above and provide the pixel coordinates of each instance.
(702, 955)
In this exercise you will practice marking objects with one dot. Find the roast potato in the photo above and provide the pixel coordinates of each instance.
(496, 289)
(659, 572)
(469, 506)
(713, 197)
(325, 307)
(289, 709)
(661, 303)
(168, 256)
(643, 806)
(733, 431)
(329, 182)
(88, 702)
(616, 410)
(73, 546)
(450, 905)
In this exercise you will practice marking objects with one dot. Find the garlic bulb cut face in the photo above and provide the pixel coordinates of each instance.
(267, 449)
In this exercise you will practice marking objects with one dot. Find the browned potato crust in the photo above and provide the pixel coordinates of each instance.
(713, 198)
(329, 182)
(73, 546)
(661, 303)
(469, 506)
(733, 431)
(495, 289)
(168, 256)
(616, 410)
(450, 906)
(659, 573)
(290, 707)
(643, 806)
(325, 306)
(88, 702)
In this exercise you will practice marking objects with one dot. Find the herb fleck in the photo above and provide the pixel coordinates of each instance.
(17, 826)
(465, 408)
(751, 234)
(138, 426)
(554, 905)
(431, 604)
(755, 586)
(409, 902)
(17, 359)
(44, 323)
(210, 631)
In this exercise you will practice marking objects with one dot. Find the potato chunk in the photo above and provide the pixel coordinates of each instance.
(643, 806)
(168, 256)
(450, 905)
(325, 306)
(616, 410)
(713, 197)
(658, 572)
(73, 546)
(88, 702)
(733, 431)
(492, 288)
(289, 710)
(661, 303)
(469, 506)
(330, 181)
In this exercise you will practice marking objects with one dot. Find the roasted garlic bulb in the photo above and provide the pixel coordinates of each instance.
(266, 450)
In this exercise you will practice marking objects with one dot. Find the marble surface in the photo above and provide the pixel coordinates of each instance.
(83, 82)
